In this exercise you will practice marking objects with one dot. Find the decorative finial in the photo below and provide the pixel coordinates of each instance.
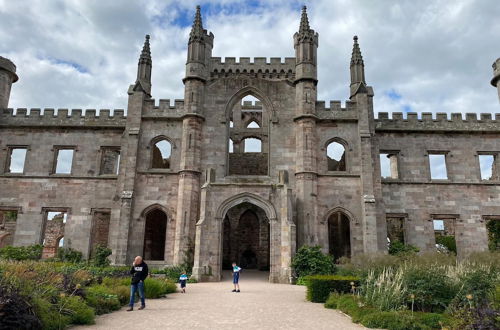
(356, 57)
(197, 29)
(304, 21)
(146, 51)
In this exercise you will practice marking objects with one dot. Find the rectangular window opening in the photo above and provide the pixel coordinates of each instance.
(8, 221)
(389, 165)
(110, 161)
(64, 161)
(487, 164)
(444, 233)
(437, 163)
(16, 160)
(53, 232)
(395, 229)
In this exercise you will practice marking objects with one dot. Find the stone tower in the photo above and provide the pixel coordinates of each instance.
(306, 45)
(7, 78)
(496, 76)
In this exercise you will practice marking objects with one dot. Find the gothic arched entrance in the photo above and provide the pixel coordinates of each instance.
(339, 235)
(246, 237)
(154, 235)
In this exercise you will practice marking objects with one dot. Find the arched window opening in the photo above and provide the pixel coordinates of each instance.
(252, 145)
(231, 147)
(155, 233)
(231, 124)
(336, 157)
(60, 244)
(253, 124)
(249, 99)
(161, 154)
(339, 235)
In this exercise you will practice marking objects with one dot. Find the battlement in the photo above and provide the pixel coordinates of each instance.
(336, 111)
(260, 65)
(441, 122)
(62, 117)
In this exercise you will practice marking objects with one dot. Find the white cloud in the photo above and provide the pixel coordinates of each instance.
(83, 54)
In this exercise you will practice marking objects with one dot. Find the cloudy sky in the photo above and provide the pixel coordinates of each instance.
(423, 56)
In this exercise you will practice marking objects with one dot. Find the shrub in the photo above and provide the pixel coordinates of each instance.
(49, 315)
(431, 287)
(476, 284)
(385, 291)
(493, 227)
(101, 254)
(399, 248)
(319, 287)
(77, 310)
(32, 252)
(309, 260)
(69, 255)
(15, 311)
(156, 288)
(448, 241)
(102, 299)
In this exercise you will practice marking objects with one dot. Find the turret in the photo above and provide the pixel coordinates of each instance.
(144, 68)
(306, 46)
(199, 49)
(8, 76)
(496, 76)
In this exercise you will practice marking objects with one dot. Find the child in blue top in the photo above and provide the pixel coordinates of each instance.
(236, 277)
(183, 280)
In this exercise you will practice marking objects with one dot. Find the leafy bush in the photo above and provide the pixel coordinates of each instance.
(156, 288)
(102, 299)
(49, 315)
(309, 260)
(493, 227)
(77, 310)
(403, 320)
(385, 291)
(69, 255)
(319, 287)
(15, 311)
(476, 284)
(31, 252)
(172, 272)
(399, 248)
(101, 254)
(448, 241)
(431, 287)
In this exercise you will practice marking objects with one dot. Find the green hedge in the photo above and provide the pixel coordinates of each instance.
(393, 320)
(319, 287)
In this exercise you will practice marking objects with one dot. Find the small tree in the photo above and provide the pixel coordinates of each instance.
(309, 260)
(101, 254)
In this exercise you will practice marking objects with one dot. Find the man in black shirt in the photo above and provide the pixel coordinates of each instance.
(139, 272)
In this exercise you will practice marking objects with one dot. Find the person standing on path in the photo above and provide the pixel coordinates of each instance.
(139, 272)
(182, 280)
(236, 277)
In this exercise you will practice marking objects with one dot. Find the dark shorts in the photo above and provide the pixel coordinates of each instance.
(183, 283)
(236, 277)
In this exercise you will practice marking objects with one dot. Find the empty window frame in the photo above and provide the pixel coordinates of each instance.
(16, 159)
(110, 160)
(395, 228)
(162, 150)
(231, 146)
(389, 165)
(488, 166)
(252, 145)
(63, 160)
(493, 230)
(437, 166)
(444, 232)
(335, 153)
(53, 231)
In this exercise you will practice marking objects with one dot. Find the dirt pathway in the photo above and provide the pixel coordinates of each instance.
(260, 305)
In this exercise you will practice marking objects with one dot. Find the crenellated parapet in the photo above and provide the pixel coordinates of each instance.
(336, 112)
(163, 108)
(441, 123)
(274, 67)
(74, 118)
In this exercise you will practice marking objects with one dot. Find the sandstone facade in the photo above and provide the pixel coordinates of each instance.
(176, 182)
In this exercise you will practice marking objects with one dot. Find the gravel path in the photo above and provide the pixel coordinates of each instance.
(259, 305)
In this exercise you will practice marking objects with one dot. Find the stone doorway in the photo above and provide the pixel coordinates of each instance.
(155, 235)
(339, 235)
(246, 238)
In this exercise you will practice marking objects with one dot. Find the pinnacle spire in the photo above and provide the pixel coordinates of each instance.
(146, 52)
(304, 21)
(197, 28)
(356, 57)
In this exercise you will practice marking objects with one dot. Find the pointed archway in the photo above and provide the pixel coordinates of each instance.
(155, 235)
(339, 234)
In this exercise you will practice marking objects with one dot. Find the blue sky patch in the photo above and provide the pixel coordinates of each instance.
(393, 95)
(407, 108)
(78, 67)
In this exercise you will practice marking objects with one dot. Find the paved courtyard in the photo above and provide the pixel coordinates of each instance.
(260, 305)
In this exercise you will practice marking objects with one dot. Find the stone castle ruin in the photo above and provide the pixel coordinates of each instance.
(217, 177)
